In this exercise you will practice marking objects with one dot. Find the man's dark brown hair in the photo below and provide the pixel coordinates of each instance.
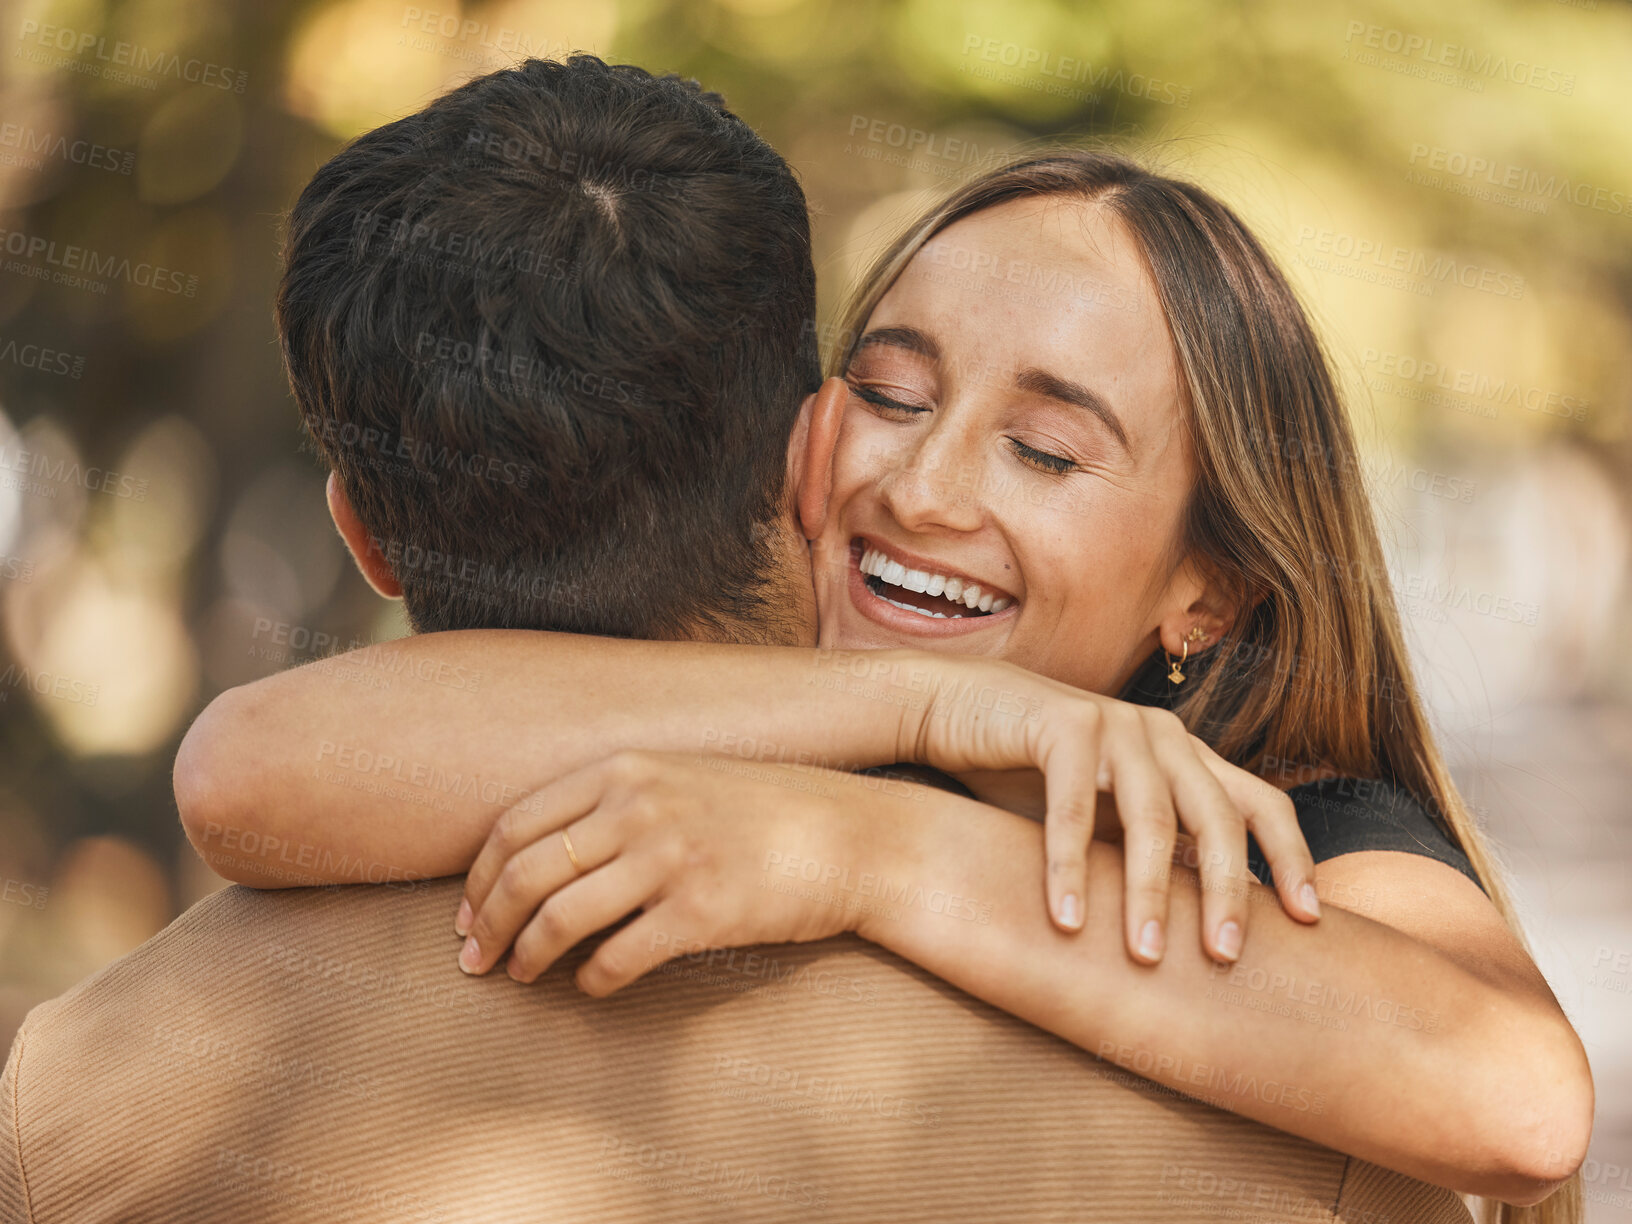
(552, 333)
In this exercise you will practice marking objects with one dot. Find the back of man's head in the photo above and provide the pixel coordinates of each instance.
(552, 333)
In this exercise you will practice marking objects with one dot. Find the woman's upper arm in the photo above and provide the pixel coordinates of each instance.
(1436, 904)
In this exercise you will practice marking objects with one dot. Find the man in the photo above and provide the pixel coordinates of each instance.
(551, 335)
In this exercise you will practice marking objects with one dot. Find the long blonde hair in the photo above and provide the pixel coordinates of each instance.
(1315, 673)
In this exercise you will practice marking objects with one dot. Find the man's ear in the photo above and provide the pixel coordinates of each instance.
(370, 560)
(810, 454)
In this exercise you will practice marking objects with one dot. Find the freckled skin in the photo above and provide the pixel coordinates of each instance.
(1085, 552)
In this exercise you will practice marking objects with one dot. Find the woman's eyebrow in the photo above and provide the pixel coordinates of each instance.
(909, 338)
(1041, 382)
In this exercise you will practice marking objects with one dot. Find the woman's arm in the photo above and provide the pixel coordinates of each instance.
(392, 762)
(1408, 1029)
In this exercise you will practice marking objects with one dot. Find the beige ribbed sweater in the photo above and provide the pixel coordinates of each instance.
(316, 1055)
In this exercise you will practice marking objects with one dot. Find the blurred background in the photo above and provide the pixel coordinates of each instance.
(1449, 188)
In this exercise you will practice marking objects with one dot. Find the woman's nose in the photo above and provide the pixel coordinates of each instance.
(934, 486)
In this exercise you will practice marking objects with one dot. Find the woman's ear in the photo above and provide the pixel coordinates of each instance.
(1205, 610)
(815, 438)
(370, 560)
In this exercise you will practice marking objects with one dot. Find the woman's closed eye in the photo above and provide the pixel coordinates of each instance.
(1043, 461)
(887, 405)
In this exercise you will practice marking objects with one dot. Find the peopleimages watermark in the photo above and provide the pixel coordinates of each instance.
(714, 1180)
(63, 47)
(44, 683)
(727, 751)
(418, 458)
(423, 27)
(16, 569)
(363, 661)
(1611, 969)
(751, 967)
(77, 267)
(26, 355)
(1433, 59)
(1311, 1000)
(438, 247)
(273, 1179)
(432, 569)
(24, 893)
(320, 974)
(523, 375)
(1377, 261)
(1061, 71)
(34, 147)
(276, 856)
(208, 1056)
(823, 1096)
(1500, 182)
(1431, 598)
(949, 262)
(858, 888)
(568, 164)
(1472, 391)
(1213, 1084)
(41, 469)
(896, 144)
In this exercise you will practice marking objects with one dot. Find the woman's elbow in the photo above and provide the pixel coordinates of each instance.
(208, 790)
(1546, 1125)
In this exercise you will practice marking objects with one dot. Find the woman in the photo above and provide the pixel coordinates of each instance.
(1145, 464)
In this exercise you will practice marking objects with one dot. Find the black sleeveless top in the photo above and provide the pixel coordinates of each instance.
(1337, 815)
(1343, 815)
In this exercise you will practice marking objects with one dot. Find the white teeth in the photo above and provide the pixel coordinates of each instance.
(915, 608)
(875, 563)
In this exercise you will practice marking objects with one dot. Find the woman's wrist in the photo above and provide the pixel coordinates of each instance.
(884, 837)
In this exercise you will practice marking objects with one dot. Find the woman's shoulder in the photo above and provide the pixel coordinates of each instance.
(1345, 815)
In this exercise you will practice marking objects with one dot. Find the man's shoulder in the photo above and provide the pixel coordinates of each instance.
(249, 937)
(242, 997)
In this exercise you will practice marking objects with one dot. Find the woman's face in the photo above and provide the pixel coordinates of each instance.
(1013, 423)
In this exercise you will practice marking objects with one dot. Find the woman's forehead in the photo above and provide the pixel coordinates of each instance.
(1052, 283)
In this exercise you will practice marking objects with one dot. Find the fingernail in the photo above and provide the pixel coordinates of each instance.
(461, 924)
(1229, 940)
(470, 956)
(1310, 899)
(1071, 911)
(1150, 940)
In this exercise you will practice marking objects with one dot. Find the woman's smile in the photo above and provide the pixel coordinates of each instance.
(921, 596)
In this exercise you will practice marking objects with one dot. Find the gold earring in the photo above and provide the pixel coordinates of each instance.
(1176, 676)
(1195, 634)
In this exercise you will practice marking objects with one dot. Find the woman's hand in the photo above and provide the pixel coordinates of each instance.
(984, 714)
(693, 842)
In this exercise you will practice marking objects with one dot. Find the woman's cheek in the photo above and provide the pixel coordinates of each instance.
(865, 452)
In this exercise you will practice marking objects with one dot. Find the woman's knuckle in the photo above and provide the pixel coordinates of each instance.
(506, 828)
(1164, 723)
(513, 878)
(629, 766)
(555, 919)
